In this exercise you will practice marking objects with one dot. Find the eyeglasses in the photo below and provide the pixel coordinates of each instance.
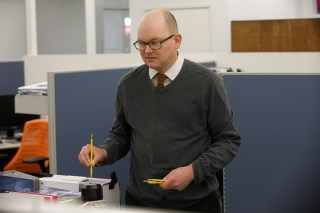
(155, 45)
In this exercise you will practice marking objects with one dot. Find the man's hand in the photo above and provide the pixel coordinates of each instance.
(98, 155)
(178, 178)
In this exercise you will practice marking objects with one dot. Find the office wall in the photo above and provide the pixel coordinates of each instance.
(37, 67)
(13, 36)
(216, 17)
(61, 27)
(12, 29)
(101, 5)
(271, 9)
(222, 12)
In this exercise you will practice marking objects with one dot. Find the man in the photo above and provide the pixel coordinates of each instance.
(180, 130)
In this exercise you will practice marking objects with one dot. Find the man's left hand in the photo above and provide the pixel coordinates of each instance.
(178, 178)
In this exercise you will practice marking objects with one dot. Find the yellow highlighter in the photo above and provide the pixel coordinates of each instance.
(91, 147)
(154, 181)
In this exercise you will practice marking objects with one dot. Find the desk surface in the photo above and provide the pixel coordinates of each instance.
(5, 145)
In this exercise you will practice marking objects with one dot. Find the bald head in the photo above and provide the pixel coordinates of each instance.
(161, 19)
(159, 27)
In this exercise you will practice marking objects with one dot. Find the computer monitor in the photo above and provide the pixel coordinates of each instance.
(10, 122)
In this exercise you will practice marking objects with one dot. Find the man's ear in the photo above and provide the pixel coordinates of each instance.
(177, 39)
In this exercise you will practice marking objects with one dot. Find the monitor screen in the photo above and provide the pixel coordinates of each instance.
(9, 120)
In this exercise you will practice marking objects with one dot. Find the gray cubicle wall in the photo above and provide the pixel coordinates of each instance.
(11, 77)
(278, 166)
(84, 105)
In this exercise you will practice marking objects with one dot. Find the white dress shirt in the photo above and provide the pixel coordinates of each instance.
(170, 73)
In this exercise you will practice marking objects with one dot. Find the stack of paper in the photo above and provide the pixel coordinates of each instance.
(62, 181)
(48, 195)
(35, 89)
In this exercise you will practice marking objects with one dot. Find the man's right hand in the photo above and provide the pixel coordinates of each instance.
(98, 155)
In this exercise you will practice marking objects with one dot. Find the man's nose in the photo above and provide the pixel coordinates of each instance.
(148, 49)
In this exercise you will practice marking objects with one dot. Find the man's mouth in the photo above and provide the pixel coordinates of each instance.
(150, 58)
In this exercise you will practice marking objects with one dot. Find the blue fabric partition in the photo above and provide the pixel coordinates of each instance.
(277, 168)
(11, 77)
(84, 104)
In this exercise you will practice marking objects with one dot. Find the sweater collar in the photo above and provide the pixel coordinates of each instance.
(172, 72)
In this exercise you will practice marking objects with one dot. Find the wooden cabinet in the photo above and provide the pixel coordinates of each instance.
(290, 35)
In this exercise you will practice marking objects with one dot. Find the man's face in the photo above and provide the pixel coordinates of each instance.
(159, 59)
(155, 30)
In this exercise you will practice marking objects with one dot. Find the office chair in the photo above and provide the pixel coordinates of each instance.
(32, 156)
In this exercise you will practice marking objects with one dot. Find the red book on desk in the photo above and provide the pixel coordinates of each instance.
(48, 198)
(52, 194)
(28, 196)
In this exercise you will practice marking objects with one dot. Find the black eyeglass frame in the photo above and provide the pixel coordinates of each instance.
(148, 43)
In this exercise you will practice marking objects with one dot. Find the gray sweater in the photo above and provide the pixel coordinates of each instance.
(187, 122)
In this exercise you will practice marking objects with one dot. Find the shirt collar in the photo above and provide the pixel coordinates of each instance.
(172, 72)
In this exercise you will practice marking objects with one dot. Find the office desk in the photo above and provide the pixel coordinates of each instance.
(4, 146)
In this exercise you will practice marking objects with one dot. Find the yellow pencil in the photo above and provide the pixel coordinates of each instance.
(154, 181)
(91, 145)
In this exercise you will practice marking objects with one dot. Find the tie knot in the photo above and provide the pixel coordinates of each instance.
(161, 77)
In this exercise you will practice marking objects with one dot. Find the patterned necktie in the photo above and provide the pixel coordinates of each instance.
(161, 77)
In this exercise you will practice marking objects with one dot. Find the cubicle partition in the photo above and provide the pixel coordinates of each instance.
(81, 104)
(11, 77)
(277, 167)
